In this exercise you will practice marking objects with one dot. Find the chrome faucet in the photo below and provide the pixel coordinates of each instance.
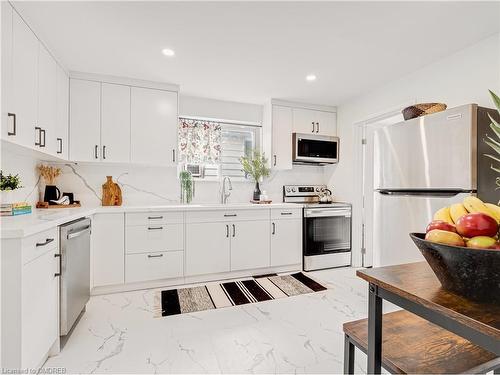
(223, 194)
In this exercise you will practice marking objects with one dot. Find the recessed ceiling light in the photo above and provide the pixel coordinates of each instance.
(168, 52)
(310, 77)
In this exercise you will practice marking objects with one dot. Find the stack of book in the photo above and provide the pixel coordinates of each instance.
(14, 209)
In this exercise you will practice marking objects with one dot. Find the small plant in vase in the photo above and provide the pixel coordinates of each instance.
(187, 186)
(255, 166)
(8, 183)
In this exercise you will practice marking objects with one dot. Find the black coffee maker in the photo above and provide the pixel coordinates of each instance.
(52, 193)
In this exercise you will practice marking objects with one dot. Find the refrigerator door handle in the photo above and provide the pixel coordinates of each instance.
(423, 193)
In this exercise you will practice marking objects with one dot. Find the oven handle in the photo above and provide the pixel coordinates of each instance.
(327, 213)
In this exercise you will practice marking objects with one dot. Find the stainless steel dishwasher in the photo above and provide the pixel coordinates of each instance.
(75, 271)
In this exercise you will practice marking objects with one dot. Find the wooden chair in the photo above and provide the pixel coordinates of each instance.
(412, 345)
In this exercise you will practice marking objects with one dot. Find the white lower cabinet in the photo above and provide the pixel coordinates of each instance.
(154, 266)
(40, 308)
(250, 245)
(154, 238)
(286, 242)
(108, 249)
(207, 248)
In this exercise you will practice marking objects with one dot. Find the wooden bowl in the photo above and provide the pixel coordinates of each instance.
(471, 273)
(422, 109)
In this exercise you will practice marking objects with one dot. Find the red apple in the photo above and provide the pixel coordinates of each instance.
(477, 224)
(445, 237)
(440, 224)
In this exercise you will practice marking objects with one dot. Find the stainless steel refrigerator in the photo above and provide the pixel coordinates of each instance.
(422, 165)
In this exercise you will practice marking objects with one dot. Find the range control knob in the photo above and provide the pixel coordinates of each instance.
(322, 190)
(317, 189)
(294, 190)
(287, 189)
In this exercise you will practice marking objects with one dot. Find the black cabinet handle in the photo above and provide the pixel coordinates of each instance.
(317, 127)
(38, 135)
(47, 241)
(57, 274)
(234, 230)
(104, 152)
(173, 156)
(155, 256)
(275, 160)
(14, 125)
(227, 231)
(60, 146)
(155, 217)
(42, 132)
(155, 228)
(230, 215)
(286, 213)
(96, 150)
(274, 228)
(313, 127)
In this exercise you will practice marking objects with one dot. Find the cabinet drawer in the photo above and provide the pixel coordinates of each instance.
(227, 215)
(153, 218)
(154, 237)
(286, 213)
(153, 266)
(40, 243)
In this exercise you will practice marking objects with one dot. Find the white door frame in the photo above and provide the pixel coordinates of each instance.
(364, 139)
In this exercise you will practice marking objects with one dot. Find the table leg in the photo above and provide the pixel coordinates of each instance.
(348, 356)
(374, 330)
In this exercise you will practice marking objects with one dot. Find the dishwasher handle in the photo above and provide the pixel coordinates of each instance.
(78, 233)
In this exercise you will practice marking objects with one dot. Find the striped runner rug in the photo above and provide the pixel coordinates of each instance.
(232, 293)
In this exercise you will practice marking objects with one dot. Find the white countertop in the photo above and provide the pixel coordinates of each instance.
(44, 219)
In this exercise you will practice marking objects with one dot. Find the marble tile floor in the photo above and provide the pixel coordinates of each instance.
(302, 334)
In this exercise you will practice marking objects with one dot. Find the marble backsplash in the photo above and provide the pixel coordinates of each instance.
(142, 184)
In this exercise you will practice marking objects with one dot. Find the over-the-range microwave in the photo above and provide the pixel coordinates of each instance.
(315, 149)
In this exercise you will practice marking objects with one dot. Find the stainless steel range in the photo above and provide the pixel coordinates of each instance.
(327, 227)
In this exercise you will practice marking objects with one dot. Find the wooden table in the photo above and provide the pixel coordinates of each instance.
(415, 288)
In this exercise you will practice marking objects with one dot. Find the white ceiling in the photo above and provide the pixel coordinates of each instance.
(253, 51)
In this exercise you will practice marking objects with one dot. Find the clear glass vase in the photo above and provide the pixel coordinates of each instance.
(187, 187)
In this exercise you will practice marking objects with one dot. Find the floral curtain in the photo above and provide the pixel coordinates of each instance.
(199, 141)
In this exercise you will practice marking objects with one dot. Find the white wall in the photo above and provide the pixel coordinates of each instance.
(461, 78)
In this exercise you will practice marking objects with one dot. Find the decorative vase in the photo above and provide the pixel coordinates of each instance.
(111, 193)
(256, 191)
(52, 193)
(187, 187)
(6, 196)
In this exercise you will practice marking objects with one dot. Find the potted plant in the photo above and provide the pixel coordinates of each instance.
(187, 186)
(8, 183)
(494, 142)
(255, 166)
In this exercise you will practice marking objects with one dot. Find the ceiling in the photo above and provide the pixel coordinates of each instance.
(253, 51)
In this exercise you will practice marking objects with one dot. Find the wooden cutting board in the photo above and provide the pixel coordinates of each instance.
(111, 193)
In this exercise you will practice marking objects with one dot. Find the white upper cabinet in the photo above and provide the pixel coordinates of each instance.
(7, 116)
(85, 113)
(24, 95)
(62, 113)
(304, 121)
(47, 108)
(153, 126)
(281, 137)
(115, 123)
(310, 121)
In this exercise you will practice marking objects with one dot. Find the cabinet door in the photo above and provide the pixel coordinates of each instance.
(304, 121)
(24, 81)
(207, 248)
(282, 137)
(62, 114)
(250, 245)
(40, 308)
(6, 79)
(108, 249)
(47, 93)
(286, 242)
(85, 124)
(327, 122)
(115, 123)
(154, 126)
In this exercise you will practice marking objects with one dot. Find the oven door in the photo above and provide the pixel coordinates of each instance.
(327, 231)
(319, 149)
